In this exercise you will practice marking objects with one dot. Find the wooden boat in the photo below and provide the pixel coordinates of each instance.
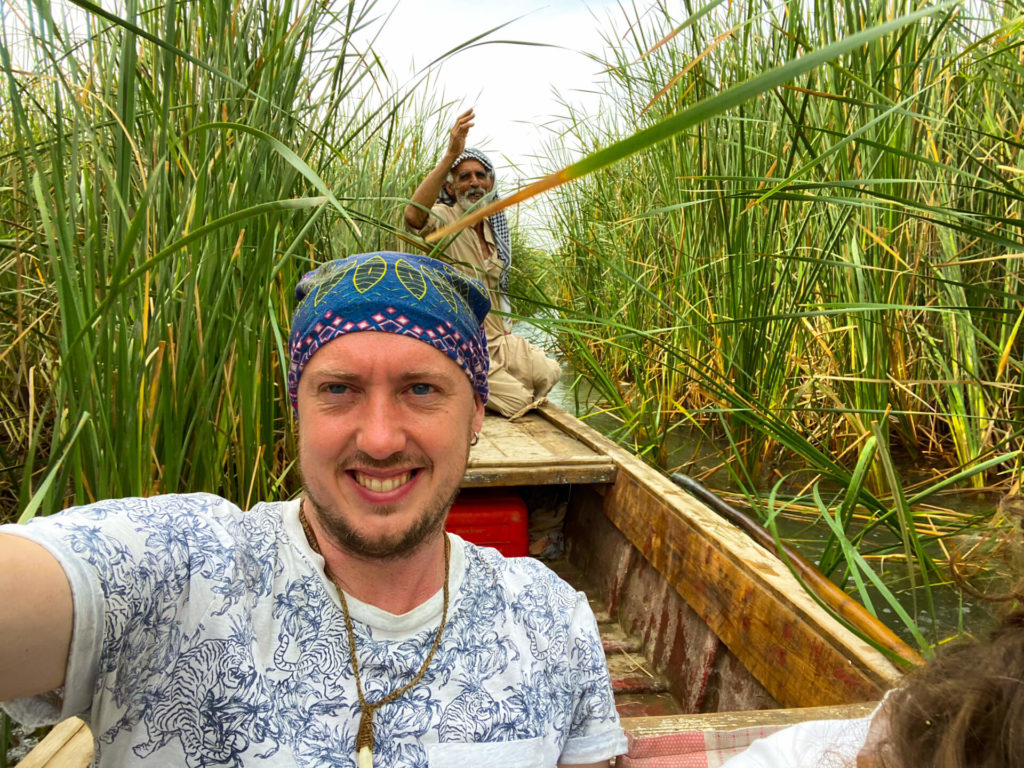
(713, 631)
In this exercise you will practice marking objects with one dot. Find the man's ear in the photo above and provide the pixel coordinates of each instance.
(478, 413)
(448, 188)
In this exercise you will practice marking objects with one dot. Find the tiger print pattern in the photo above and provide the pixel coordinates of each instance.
(220, 645)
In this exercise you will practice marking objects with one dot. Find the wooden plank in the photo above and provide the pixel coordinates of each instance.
(801, 655)
(68, 745)
(532, 451)
(640, 727)
(703, 674)
(502, 440)
(646, 705)
(551, 474)
(531, 438)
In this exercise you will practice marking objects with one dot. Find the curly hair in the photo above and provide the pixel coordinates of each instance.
(965, 709)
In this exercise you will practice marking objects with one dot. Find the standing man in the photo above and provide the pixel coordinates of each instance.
(520, 372)
(343, 628)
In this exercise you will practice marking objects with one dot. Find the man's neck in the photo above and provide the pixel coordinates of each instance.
(396, 585)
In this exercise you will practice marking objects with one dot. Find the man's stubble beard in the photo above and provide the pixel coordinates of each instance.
(429, 523)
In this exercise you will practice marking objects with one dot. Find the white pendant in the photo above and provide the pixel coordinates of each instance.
(364, 758)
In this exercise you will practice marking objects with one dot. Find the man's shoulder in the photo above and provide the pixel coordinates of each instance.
(195, 516)
(447, 212)
(521, 575)
(171, 504)
(440, 215)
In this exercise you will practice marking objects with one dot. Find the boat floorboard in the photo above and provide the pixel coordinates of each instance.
(638, 690)
(531, 450)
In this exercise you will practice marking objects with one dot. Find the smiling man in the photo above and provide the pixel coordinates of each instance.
(344, 628)
(463, 178)
(379, 473)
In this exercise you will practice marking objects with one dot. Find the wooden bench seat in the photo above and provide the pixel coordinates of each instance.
(532, 450)
(727, 721)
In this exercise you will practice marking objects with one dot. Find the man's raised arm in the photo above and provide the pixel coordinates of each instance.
(36, 617)
(423, 199)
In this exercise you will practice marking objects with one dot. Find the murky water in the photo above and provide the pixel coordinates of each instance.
(951, 612)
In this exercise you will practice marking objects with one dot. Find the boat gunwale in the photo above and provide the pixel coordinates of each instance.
(858, 671)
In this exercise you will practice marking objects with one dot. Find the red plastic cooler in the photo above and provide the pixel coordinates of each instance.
(491, 518)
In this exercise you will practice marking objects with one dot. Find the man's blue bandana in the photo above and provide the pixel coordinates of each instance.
(395, 293)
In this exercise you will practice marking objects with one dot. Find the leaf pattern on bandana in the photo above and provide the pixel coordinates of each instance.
(412, 278)
(328, 280)
(369, 272)
(440, 281)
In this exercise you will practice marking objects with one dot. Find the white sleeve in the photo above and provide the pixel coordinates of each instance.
(813, 744)
(86, 637)
(596, 733)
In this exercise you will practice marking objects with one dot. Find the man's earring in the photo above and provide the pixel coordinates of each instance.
(476, 439)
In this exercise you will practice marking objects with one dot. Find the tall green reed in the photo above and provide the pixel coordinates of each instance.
(835, 263)
(172, 170)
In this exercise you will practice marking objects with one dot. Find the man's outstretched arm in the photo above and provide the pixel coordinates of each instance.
(426, 193)
(36, 618)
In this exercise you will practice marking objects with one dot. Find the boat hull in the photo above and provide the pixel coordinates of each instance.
(691, 583)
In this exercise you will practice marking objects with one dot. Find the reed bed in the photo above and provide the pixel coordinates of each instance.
(830, 271)
(829, 275)
(169, 174)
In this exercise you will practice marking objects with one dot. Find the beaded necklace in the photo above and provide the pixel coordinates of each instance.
(364, 736)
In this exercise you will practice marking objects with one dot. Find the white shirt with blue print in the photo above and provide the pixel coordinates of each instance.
(208, 636)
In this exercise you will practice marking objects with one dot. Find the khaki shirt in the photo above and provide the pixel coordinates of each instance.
(465, 253)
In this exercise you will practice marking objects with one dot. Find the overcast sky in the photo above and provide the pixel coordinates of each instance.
(511, 87)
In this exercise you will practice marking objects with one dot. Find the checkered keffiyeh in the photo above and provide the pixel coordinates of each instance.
(414, 296)
(498, 222)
